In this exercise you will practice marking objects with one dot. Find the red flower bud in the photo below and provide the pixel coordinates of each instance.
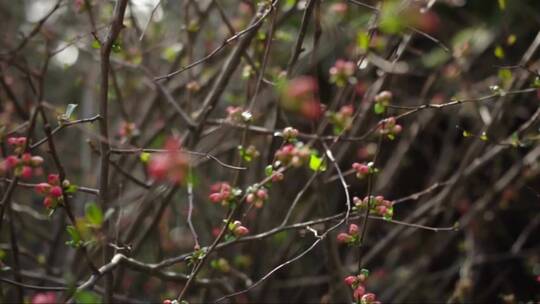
(240, 231)
(215, 197)
(344, 238)
(26, 172)
(53, 179)
(359, 292)
(48, 202)
(11, 162)
(353, 229)
(56, 191)
(350, 280)
(12, 141)
(21, 141)
(43, 188)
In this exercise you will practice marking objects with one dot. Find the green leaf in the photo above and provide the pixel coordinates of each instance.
(502, 4)
(94, 215)
(362, 40)
(95, 44)
(268, 170)
(316, 163)
(116, 47)
(379, 108)
(69, 110)
(483, 136)
(511, 39)
(144, 157)
(499, 52)
(536, 82)
(71, 189)
(75, 237)
(466, 133)
(87, 297)
(505, 75)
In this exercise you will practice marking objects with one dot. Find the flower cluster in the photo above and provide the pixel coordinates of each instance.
(357, 284)
(351, 237)
(52, 190)
(237, 229)
(238, 115)
(44, 298)
(342, 72)
(223, 193)
(341, 120)
(377, 205)
(249, 153)
(300, 95)
(276, 176)
(23, 164)
(257, 196)
(390, 128)
(290, 134)
(363, 170)
(296, 155)
(127, 130)
(382, 100)
(171, 165)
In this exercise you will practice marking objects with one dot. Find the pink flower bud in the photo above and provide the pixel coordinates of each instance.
(344, 238)
(397, 129)
(250, 199)
(359, 292)
(262, 194)
(26, 158)
(241, 231)
(215, 197)
(21, 141)
(158, 166)
(56, 191)
(353, 229)
(43, 188)
(48, 202)
(44, 298)
(167, 301)
(26, 172)
(350, 280)
(277, 177)
(368, 298)
(11, 162)
(53, 179)
(12, 141)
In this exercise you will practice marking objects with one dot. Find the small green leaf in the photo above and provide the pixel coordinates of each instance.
(483, 136)
(511, 39)
(505, 75)
(536, 82)
(71, 189)
(95, 44)
(87, 297)
(466, 133)
(379, 108)
(75, 237)
(362, 41)
(316, 163)
(69, 110)
(502, 5)
(268, 170)
(116, 47)
(144, 157)
(499, 52)
(94, 215)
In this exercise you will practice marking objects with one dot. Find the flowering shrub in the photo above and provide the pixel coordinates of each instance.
(244, 151)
